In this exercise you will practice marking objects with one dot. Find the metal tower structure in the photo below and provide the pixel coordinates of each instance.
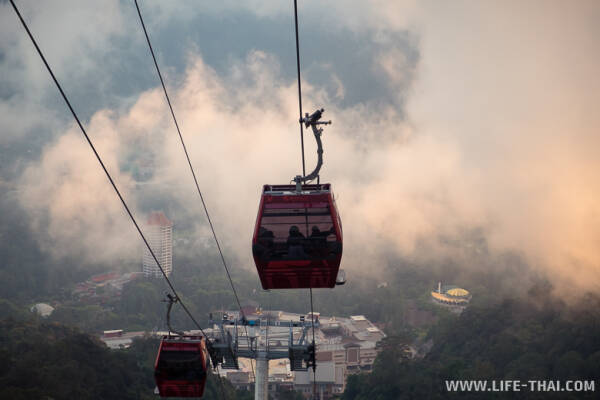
(263, 339)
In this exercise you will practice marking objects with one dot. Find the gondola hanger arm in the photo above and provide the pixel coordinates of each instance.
(313, 120)
(171, 299)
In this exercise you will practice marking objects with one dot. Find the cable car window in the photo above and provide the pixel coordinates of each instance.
(296, 233)
(280, 221)
(339, 218)
(181, 365)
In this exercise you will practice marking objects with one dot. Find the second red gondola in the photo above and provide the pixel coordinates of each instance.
(180, 367)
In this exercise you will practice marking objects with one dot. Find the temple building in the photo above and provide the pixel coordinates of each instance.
(450, 295)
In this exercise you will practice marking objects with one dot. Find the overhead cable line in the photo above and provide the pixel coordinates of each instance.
(110, 179)
(188, 160)
(237, 299)
(312, 313)
(314, 352)
(299, 87)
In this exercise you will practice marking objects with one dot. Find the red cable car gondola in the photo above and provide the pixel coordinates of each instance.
(297, 241)
(180, 367)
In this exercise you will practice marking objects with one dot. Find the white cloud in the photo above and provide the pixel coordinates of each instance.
(500, 133)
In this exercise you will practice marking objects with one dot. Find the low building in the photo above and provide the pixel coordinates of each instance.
(100, 289)
(118, 339)
(42, 309)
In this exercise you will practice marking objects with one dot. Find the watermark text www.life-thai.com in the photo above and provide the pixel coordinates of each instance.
(518, 386)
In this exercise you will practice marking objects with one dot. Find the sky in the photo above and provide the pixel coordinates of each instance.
(454, 124)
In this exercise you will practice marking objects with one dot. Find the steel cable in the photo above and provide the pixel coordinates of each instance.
(110, 179)
(237, 299)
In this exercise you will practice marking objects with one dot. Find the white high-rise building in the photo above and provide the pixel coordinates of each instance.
(159, 232)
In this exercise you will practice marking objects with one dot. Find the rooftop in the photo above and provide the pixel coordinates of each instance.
(158, 218)
(42, 309)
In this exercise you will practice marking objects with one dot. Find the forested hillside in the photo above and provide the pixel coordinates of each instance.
(51, 361)
(533, 338)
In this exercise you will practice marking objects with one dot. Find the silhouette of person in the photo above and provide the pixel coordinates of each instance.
(318, 239)
(318, 234)
(295, 243)
(265, 237)
(264, 244)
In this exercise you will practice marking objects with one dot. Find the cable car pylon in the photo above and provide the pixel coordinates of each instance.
(228, 343)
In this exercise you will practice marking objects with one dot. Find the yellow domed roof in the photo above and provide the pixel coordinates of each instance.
(458, 292)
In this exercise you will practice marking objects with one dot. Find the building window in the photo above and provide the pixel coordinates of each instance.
(352, 355)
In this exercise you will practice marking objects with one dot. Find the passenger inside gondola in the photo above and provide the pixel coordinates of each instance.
(296, 233)
(319, 237)
(296, 242)
(318, 240)
(266, 242)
